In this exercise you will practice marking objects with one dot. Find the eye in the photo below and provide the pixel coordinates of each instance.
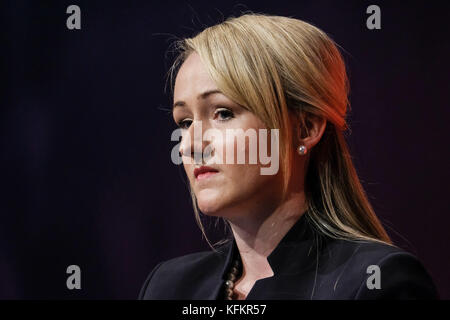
(184, 124)
(223, 114)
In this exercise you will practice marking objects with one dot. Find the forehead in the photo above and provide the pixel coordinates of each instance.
(192, 78)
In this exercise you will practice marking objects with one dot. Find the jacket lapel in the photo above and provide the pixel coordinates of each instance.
(212, 288)
(293, 262)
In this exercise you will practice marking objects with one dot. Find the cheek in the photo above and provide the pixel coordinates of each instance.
(245, 179)
(237, 148)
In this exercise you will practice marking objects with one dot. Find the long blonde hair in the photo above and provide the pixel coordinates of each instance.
(279, 66)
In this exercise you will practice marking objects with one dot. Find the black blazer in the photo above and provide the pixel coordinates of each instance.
(306, 265)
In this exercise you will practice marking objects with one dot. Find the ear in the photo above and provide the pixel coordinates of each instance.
(308, 129)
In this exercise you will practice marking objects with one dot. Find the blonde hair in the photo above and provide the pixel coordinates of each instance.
(280, 66)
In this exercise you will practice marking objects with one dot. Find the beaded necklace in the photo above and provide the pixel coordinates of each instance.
(231, 278)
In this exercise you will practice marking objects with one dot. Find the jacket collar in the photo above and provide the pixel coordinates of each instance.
(292, 254)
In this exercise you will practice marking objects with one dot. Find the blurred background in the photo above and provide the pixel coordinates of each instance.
(86, 175)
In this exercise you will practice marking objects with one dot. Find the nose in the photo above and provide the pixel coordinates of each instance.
(193, 145)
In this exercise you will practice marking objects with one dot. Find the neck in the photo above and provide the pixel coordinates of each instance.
(257, 236)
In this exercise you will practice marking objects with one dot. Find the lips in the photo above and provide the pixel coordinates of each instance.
(204, 172)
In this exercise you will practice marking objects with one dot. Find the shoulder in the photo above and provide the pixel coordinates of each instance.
(170, 278)
(360, 251)
(375, 270)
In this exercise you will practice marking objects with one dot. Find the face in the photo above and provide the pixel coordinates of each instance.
(230, 188)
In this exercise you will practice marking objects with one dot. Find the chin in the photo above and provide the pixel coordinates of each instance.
(210, 202)
(210, 208)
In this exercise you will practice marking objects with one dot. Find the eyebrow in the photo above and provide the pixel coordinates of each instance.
(203, 95)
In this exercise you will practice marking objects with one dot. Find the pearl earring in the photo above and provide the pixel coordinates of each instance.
(302, 150)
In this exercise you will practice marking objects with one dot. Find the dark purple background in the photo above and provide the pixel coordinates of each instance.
(85, 145)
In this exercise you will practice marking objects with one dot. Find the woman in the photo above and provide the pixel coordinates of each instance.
(305, 231)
